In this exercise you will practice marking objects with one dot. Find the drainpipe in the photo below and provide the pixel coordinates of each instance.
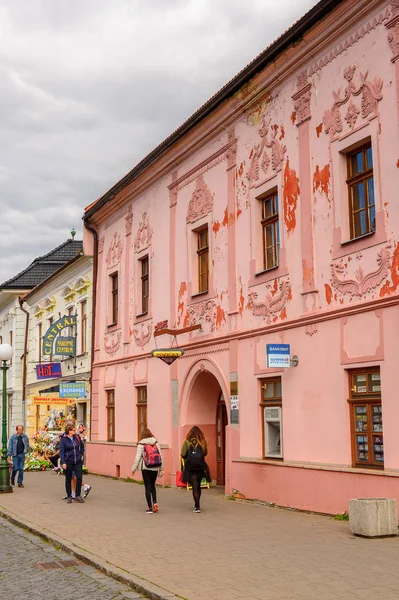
(93, 300)
(24, 365)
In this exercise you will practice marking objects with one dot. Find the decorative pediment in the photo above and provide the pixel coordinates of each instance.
(361, 283)
(270, 151)
(112, 341)
(275, 301)
(82, 284)
(68, 293)
(142, 335)
(49, 304)
(38, 311)
(201, 202)
(115, 250)
(143, 235)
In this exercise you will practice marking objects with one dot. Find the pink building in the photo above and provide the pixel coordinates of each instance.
(268, 218)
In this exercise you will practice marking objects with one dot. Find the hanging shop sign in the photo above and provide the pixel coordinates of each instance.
(48, 370)
(168, 355)
(75, 389)
(54, 330)
(50, 400)
(278, 356)
(65, 345)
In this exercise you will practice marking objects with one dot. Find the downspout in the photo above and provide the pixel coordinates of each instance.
(93, 301)
(24, 365)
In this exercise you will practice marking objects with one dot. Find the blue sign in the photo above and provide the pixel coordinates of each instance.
(72, 390)
(48, 370)
(278, 356)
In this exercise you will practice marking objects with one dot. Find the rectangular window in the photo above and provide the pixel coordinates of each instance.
(110, 415)
(114, 298)
(39, 339)
(141, 410)
(203, 260)
(145, 284)
(270, 232)
(83, 326)
(70, 330)
(271, 405)
(361, 191)
(366, 418)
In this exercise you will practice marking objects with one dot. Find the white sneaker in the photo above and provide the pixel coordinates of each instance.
(86, 490)
(73, 495)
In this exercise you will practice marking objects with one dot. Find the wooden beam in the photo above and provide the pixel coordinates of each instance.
(177, 331)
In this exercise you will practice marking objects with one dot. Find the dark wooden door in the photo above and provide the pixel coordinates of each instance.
(221, 422)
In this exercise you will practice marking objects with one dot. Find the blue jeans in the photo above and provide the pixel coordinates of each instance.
(18, 462)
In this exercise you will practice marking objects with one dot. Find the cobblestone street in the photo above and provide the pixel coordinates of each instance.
(29, 564)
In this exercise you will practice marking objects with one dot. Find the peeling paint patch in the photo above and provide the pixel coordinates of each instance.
(186, 321)
(241, 301)
(216, 226)
(220, 316)
(283, 314)
(183, 289)
(397, 163)
(226, 217)
(239, 211)
(306, 273)
(321, 179)
(293, 117)
(328, 291)
(282, 133)
(388, 288)
(319, 129)
(290, 198)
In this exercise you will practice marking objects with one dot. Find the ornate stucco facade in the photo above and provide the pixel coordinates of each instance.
(301, 149)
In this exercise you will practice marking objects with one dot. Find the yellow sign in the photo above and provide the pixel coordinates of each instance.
(49, 400)
(168, 355)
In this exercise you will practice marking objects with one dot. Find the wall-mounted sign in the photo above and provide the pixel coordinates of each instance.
(54, 330)
(50, 400)
(72, 390)
(168, 355)
(48, 370)
(278, 356)
(65, 345)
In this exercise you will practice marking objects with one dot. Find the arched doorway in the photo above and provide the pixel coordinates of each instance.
(202, 404)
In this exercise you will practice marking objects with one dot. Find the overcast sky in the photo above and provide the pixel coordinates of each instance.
(89, 87)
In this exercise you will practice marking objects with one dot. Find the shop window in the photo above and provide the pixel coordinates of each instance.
(141, 409)
(366, 418)
(270, 232)
(361, 191)
(203, 260)
(145, 284)
(114, 298)
(110, 415)
(83, 326)
(271, 405)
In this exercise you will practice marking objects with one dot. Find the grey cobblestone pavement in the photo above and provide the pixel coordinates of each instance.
(29, 565)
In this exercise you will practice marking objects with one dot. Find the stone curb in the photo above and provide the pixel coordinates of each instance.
(138, 584)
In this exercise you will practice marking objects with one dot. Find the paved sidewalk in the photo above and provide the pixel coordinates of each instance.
(231, 551)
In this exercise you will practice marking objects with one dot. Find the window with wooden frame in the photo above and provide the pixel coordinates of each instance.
(110, 415)
(83, 326)
(141, 410)
(271, 405)
(39, 342)
(203, 260)
(145, 283)
(70, 329)
(366, 418)
(361, 191)
(270, 231)
(50, 322)
(114, 298)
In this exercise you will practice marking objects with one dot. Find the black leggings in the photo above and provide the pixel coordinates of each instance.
(196, 479)
(70, 470)
(149, 478)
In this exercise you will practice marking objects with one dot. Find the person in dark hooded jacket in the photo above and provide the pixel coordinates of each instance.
(71, 452)
(149, 473)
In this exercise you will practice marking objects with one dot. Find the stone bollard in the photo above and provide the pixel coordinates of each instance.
(373, 517)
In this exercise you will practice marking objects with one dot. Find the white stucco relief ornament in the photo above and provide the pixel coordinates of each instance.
(371, 94)
(112, 341)
(201, 202)
(144, 234)
(114, 251)
(204, 313)
(272, 305)
(260, 156)
(129, 220)
(141, 335)
(362, 283)
(101, 244)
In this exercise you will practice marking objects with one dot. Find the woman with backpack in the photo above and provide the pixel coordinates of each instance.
(193, 452)
(149, 459)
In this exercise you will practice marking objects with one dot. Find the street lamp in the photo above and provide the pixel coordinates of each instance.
(6, 353)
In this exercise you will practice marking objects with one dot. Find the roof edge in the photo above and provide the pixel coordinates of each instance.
(296, 31)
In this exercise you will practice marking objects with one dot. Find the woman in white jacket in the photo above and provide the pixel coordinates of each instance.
(149, 459)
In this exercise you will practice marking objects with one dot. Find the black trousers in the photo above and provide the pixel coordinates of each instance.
(77, 469)
(196, 478)
(149, 478)
(54, 460)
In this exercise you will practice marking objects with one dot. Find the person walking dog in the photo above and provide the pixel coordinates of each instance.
(18, 446)
(149, 459)
(193, 452)
(71, 452)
